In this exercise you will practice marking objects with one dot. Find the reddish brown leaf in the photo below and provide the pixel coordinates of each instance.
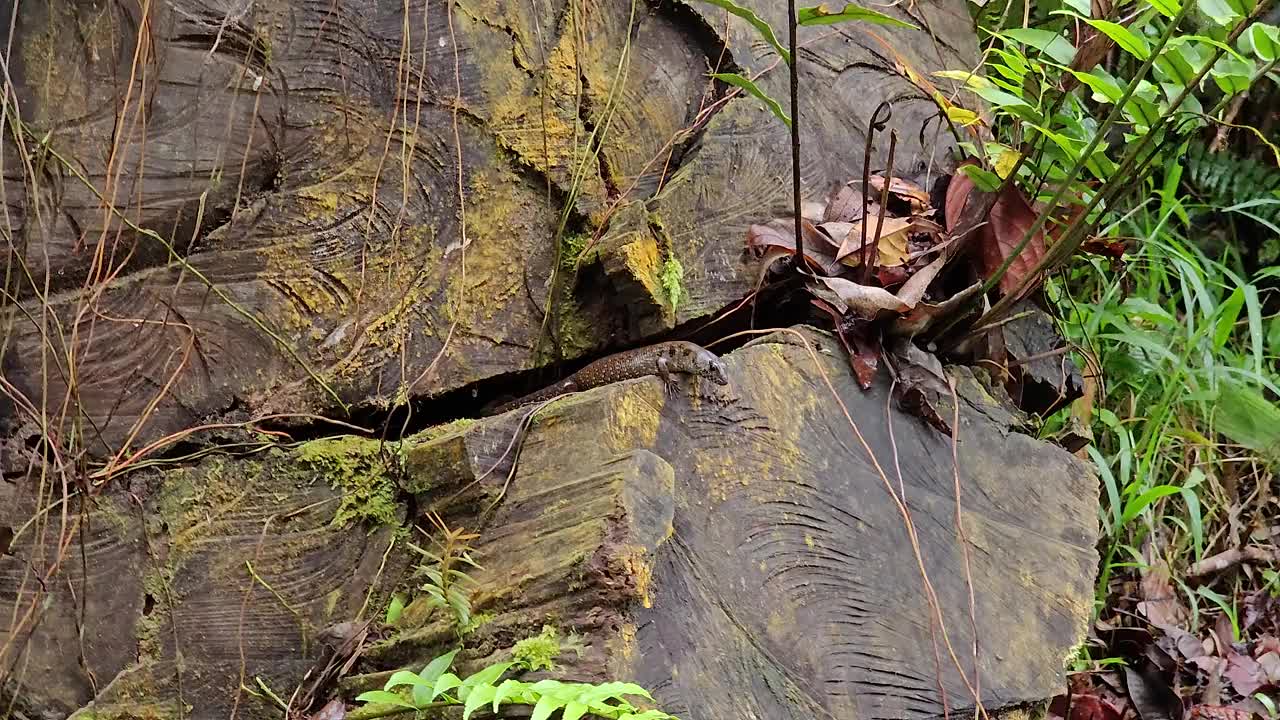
(865, 359)
(957, 194)
(1083, 707)
(891, 276)
(1010, 218)
(826, 307)
(1104, 247)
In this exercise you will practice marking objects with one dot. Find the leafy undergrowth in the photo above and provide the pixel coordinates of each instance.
(1186, 431)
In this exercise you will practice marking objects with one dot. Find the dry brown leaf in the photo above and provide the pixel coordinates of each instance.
(812, 211)
(893, 241)
(912, 292)
(892, 276)
(1245, 674)
(923, 315)
(1161, 602)
(1270, 664)
(780, 233)
(865, 300)
(771, 255)
(846, 206)
(908, 191)
(838, 232)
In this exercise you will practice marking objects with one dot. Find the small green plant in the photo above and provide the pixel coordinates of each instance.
(446, 584)
(436, 687)
(540, 651)
(395, 609)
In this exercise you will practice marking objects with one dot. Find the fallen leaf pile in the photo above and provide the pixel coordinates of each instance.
(872, 265)
(874, 271)
(1171, 663)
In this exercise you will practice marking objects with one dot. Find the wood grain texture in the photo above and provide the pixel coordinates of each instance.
(739, 173)
(733, 549)
(196, 580)
(250, 208)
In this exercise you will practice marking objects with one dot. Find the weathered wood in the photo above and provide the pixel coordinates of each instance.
(169, 596)
(738, 553)
(260, 207)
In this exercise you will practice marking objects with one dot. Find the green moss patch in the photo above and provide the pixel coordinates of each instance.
(359, 469)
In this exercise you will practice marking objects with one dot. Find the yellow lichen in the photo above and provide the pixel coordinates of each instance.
(635, 418)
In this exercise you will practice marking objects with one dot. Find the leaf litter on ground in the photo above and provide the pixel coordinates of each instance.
(908, 252)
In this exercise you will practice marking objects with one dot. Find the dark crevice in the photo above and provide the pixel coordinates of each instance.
(586, 113)
(226, 35)
(780, 305)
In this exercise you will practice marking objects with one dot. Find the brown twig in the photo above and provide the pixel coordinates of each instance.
(795, 134)
(884, 202)
(1227, 559)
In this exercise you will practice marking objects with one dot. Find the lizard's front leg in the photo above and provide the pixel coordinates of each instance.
(664, 372)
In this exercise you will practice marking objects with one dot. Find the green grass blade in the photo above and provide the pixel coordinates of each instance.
(762, 27)
(739, 81)
(852, 12)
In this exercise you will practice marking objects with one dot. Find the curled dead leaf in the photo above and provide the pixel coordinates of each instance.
(924, 315)
(907, 191)
(913, 290)
(957, 195)
(781, 234)
(838, 232)
(865, 300)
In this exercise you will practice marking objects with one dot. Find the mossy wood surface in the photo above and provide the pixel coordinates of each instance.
(732, 549)
(285, 207)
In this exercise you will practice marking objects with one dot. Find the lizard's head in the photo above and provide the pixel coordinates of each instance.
(711, 368)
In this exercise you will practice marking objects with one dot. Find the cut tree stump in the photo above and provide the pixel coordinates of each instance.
(229, 210)
(737, 550)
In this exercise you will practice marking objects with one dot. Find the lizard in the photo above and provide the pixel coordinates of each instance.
(663, 359)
